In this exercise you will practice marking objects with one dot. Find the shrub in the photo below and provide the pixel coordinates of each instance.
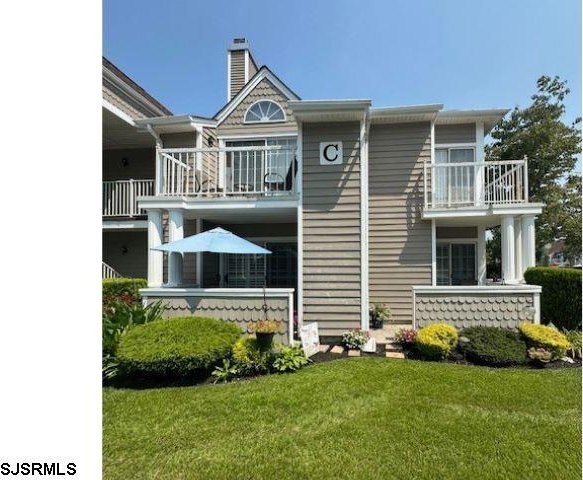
(493, 346)
(290, 359)
(436, 340)
(250, 359)
(226, 372)
(545, 337)
(560, 297)
(574, 338)
(177, 348)
(113, 289)
(354, 339)
(406, 337)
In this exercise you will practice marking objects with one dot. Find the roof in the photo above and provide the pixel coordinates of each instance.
(329, 110)
(490, 117)
(262, 73)
(405, 114)
(110, 67)
(176, 123)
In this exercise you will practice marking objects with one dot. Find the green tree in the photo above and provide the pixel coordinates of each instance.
(551, 146)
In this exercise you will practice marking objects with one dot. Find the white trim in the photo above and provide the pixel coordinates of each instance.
(414, 309)
(229, 76)
(246, 66)
(290, 318)
(481, 254)
(300, 224)
(484, 211)
(433, 253)
(118, 112)
(124, 225)
(456, 145)
(537, 307)
(256, 136)
(260, 122)
(497, 289)
(217, 203)
(237, 99)
(215, 292)
(364, 267)
(199, 256)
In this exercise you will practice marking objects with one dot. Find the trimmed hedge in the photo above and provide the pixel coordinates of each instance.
(177, 348)
(437, 340)
(546, 337)
(114, 289)
(493, 346)
(561, 295)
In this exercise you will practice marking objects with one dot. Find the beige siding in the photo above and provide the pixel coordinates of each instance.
(458, 133)
(121, 100)
(132, 263)
(140, 164)
(179, 140)
(237, 71)
(400, 242)
(331, 225)
(234, 123)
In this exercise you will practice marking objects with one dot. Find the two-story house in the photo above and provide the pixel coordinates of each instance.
(358, 204)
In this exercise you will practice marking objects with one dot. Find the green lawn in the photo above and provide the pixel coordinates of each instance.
(356, 418)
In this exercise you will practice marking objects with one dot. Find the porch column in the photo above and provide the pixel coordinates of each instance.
(155, 258)
(528, 248)
(481, 255)
(175, 232)
(518, 270)
(507, 230)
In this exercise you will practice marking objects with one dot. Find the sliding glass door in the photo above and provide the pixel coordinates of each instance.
(456, 263)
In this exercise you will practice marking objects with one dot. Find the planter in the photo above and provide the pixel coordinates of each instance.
(264, 341)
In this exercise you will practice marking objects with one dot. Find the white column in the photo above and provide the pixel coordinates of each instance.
(518, 270)
(481, 255)
(175, 232)
(155, 258)
(199, 256)
(528, 248)
(507, 230)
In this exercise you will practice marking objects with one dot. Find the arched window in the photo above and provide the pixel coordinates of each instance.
(264, 111)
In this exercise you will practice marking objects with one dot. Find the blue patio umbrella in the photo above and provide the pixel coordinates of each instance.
(217, 240)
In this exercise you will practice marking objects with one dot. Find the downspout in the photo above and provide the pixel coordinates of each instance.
(364, 197)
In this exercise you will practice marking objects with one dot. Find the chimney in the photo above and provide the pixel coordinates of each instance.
(241, 66)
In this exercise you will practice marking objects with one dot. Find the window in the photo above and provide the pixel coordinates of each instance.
(264, 111)
(456, 263)
(454, 184)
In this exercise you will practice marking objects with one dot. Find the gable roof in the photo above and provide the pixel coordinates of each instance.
(262, 74)
(113, 74)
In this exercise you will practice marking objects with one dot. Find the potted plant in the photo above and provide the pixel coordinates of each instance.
(264, 331)
(379, 313)
(355, 339)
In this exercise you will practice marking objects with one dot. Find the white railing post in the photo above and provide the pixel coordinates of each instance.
(425, 184)
(132, 199)
(525, 169)
(159, 184)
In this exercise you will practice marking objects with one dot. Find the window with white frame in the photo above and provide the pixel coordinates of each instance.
(454, 184)
(456, 263)
(264, 111)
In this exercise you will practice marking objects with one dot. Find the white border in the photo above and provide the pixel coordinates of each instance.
(300, 223)
(364, 267)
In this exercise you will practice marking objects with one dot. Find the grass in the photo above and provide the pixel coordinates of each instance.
(352, 419)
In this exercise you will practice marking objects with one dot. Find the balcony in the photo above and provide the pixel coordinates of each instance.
(243, 172)
(119, 197)
(460, 185)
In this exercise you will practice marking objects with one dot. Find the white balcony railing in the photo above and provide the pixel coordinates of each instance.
(108, 272)
(120, 197)
(231, 171)
(451, 185)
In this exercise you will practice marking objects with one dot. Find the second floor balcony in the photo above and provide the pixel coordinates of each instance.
(452, 186)
(226, 172)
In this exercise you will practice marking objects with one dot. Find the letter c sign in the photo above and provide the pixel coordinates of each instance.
(330, 153)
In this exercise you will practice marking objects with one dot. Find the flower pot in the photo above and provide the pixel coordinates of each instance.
(264, 341)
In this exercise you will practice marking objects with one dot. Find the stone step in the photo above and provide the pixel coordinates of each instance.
(393, 347)
(399, 355)
(354, 353)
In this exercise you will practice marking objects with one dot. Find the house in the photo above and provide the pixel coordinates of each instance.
(358, 204)
(554, 255)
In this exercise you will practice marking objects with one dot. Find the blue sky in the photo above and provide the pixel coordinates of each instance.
(465, 54)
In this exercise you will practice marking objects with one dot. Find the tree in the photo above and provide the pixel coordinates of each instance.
(539, 133)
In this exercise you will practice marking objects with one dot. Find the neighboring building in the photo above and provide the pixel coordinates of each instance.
(358, 204)
(554, 255)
